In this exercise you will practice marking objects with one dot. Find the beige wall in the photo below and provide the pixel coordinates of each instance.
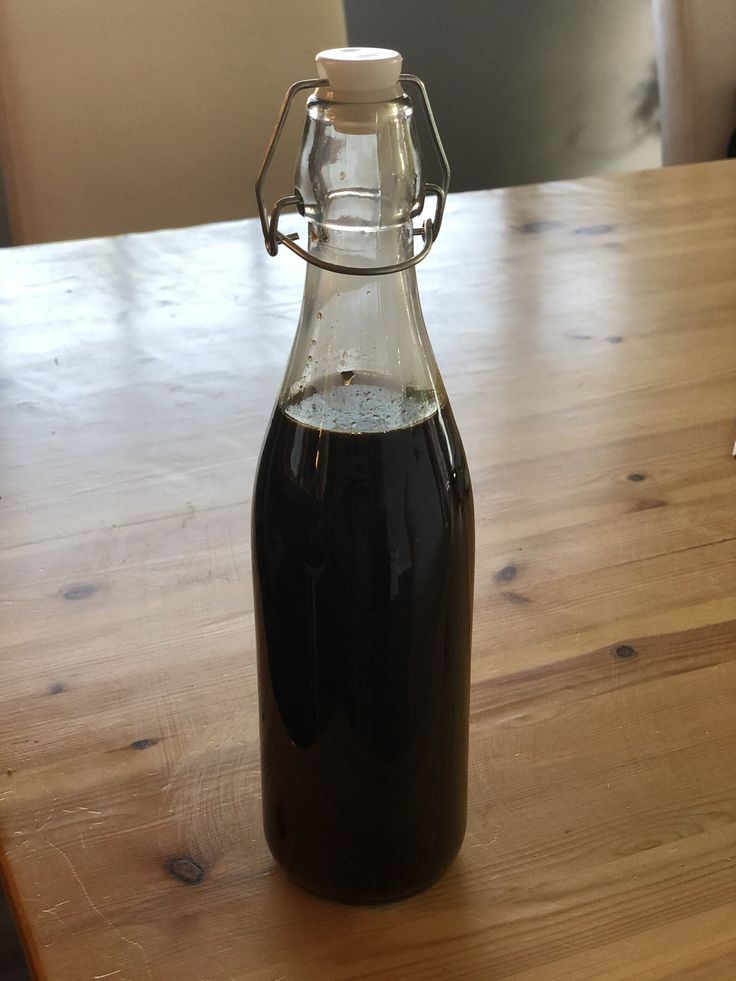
(126, 115)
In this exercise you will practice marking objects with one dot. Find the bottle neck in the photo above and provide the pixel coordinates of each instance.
(359, 177)
(361, 245)
(361, 343)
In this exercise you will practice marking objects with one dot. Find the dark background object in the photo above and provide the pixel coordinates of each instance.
(12, 963)
(529, 90)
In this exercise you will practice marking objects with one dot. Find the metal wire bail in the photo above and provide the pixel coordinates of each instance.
(429, 231)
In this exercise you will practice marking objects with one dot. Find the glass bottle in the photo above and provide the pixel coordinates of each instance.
(362, 528)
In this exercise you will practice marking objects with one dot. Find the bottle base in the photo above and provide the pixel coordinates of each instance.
(345, 895)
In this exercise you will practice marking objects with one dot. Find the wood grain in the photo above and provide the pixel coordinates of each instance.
(586, 334)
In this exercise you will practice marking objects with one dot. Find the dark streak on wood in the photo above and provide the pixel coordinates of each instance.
(506, 574)
(647, 504)
(515, 597)
(596, 673)
(594, 230)
(537, 227)
(79, 591)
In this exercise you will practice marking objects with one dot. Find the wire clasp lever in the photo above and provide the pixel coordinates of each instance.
(270, 222)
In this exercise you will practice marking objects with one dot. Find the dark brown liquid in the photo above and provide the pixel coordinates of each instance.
(363, 573)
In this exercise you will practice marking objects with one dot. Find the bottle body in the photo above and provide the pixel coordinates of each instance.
(363, 547)
(363, 562)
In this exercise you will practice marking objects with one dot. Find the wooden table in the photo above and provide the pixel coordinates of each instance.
(587, 336)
